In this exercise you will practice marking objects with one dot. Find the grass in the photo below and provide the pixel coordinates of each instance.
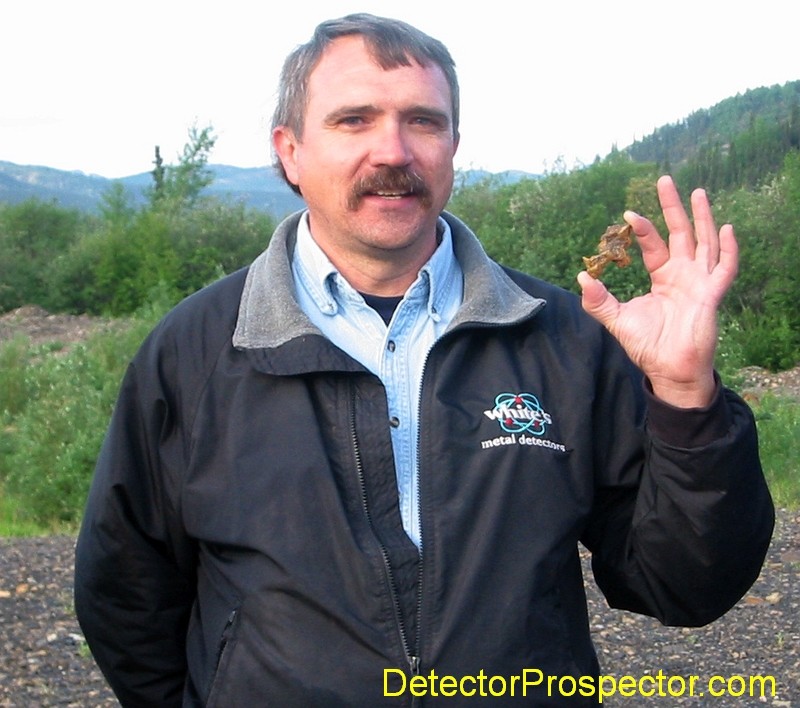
(10, 522)
(778, 422)
(54, 410)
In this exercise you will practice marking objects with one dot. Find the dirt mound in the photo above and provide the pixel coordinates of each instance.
(758, 381)
(39, 326)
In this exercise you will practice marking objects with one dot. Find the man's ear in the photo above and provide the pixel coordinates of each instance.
(285, 144)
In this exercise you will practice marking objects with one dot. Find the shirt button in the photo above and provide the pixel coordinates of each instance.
(394, 421)
(391, 346)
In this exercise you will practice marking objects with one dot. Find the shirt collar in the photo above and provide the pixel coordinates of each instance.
(330, 291)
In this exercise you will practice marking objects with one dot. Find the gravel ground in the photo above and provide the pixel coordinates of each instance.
(46, 663)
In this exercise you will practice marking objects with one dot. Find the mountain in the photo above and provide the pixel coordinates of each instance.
(256, 187)
(70, 189)
(467, 178)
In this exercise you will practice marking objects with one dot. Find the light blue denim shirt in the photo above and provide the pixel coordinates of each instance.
(397, 353)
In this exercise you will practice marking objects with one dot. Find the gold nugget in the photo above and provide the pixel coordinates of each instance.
(611, 249)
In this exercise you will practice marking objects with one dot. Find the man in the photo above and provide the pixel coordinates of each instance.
(372, 454)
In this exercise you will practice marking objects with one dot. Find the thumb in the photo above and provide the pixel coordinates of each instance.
(597, 301)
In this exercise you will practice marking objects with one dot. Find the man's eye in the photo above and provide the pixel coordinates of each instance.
(429, 122)
(352, 120)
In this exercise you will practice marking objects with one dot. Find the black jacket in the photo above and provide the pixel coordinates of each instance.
(242, 543)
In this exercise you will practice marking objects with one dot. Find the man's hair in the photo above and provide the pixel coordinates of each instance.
(392, 43)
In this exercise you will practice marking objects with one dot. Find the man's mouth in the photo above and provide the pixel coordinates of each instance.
(394, 183)
(393, 195)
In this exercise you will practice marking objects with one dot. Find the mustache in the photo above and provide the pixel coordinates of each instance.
(400, 180)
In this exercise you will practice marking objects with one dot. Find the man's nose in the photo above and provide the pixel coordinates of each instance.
(391, 145)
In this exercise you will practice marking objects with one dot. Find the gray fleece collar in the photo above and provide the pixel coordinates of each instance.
(269, 315)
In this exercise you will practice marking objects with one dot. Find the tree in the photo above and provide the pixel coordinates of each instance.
(180, 186)
(158, 175)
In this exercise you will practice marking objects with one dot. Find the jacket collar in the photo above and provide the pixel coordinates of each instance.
(269, 316)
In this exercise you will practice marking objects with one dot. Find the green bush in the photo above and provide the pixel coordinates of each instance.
(55, 409)
(768, 340)
(57, 438)
(32, 234)
(113, 268)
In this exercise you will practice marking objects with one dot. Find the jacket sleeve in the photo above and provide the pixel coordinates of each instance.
(682, 516)
(134, 569)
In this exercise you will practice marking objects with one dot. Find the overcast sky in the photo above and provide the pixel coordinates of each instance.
(93, 85)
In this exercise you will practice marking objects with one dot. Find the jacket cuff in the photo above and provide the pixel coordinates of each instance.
(688, 427)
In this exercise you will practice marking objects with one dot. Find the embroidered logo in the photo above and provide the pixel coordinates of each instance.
(524, 421)
(519, 413)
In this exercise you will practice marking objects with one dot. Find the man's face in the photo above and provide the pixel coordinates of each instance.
(375, 161)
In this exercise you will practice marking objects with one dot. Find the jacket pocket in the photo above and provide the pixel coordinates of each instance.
(224, 650)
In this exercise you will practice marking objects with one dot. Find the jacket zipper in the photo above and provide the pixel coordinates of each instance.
(419, 503)
(221, 648)
(416, 701)
(226, 632)
(411, 657)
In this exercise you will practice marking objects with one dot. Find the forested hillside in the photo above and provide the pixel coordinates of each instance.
(736, 143)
